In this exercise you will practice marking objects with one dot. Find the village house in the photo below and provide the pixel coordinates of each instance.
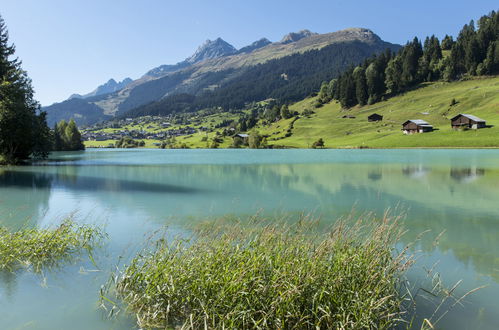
(375, 117)
(464, 121)
(416, 126)
(242, 136)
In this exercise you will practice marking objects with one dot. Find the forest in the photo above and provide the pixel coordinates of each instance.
(475, 52)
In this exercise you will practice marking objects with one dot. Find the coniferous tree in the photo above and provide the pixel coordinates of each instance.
(393, 74)
(447, 42)
(359, 76)
(23, 128)
(67, 137)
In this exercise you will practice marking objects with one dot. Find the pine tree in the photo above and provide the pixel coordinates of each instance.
(393, 75)
(359, 76)
(23, 128)
(447, 42)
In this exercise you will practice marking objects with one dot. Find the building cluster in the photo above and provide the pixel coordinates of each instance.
(137, 134)
(460, 122)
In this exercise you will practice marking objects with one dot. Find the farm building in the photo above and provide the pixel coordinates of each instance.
(375, 117)
(467, 121)
(416, 126)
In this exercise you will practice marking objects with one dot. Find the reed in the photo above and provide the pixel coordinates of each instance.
(37, 249)
(268, 274)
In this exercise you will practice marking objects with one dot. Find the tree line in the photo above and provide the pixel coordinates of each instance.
(474, 52)
(24, 132)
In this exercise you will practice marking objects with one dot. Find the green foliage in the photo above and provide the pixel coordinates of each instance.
(256, 141)
(172, 143)
(128, 142)
(285, 114)
(318, 144)
(67, 137)
(23, 128)
(269, 274)
(39, 249)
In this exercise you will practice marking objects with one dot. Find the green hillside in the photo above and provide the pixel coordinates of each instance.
(479, 97)
(430, 102)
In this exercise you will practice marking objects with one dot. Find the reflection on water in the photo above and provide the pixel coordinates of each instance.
(466, 174)
(166, 188)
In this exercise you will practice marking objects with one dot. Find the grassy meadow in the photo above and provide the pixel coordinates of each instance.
(479, 97)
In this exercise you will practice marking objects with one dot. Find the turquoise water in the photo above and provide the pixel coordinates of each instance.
(134, 192)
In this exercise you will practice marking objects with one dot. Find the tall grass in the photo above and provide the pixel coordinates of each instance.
(38, 249)
(269, 275)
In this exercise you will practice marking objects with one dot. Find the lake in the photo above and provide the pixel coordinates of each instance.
(135, 192)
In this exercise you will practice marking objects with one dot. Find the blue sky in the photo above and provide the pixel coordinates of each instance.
(73, 46)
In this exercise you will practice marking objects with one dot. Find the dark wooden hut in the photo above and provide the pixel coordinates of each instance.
(467, 121)
(375, 117)
(416, 126)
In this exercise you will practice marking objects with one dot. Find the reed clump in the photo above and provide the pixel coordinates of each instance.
(273, 275)
(37, 249)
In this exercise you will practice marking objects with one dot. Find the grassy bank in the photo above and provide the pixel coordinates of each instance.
(268, 275)
(37, 249)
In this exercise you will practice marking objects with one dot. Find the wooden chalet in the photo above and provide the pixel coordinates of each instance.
(464, 121)
(241, 136)
(375, 117)
(416, 126)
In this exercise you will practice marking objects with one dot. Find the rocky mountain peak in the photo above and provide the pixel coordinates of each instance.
(362, 34)
(211, 49)
(295, 36)
(255, 45)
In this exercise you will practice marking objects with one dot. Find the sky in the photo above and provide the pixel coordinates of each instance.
(73, 46)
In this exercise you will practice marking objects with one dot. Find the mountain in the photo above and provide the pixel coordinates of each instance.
(208, 50)
(216, 65)
(255, 45)
(109, 87)
(295, 36)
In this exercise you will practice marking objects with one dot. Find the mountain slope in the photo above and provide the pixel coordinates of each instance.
(431, 102)
(214, 64)
(288, 79)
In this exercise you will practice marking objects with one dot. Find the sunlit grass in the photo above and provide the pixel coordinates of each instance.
(38, 249)
(271, 275)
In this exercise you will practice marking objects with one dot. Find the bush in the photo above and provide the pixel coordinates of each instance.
(318, 144)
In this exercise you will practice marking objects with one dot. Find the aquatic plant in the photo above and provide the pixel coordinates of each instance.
(263, 274)
(44, 248)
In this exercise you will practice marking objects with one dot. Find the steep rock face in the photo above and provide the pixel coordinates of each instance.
(255, 45)
(295, 36)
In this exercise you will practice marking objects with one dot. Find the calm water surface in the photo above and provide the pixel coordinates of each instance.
(135, 192)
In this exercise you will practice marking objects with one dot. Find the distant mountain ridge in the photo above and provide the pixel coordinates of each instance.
(109, 87)
(213, 64)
